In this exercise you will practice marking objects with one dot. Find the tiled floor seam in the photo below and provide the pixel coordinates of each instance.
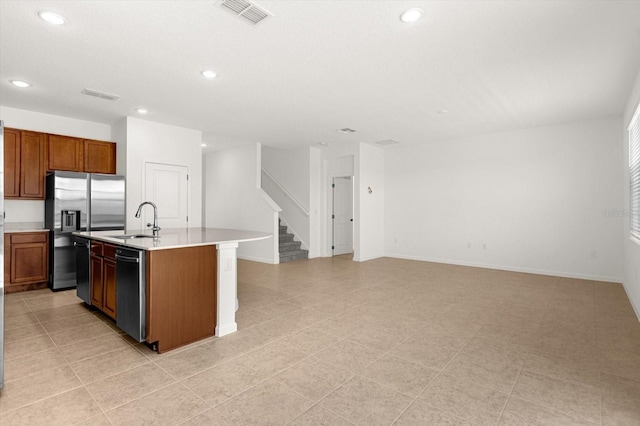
(435, 377)
(137, 398)
(515, 382)
(41, 399)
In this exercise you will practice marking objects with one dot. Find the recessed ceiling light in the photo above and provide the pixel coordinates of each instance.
(411, 15)
(204, 145)
(443, 111)
(52, 17)
(209, 74)
(18, 83)
(142, 110)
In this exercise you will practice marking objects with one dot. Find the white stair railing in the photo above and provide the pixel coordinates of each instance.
(287, 193)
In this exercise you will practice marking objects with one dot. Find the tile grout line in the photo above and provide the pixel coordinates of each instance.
(434, 378)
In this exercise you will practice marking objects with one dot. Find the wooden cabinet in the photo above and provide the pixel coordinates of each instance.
(65, 153)
(26, 265)
(103, 277)
(11, 163)
(28, 155)
(109, 284)
(24, 164)
(80, 155)
(181, 296)
(99, 157)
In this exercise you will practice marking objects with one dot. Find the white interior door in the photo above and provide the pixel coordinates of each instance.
(167, 185)
(342, 215)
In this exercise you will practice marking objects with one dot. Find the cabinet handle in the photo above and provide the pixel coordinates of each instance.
(127, 258)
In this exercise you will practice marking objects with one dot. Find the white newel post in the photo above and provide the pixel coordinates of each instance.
(227, 289)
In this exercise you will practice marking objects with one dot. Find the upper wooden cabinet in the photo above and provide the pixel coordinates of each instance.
(28, 155)
(80, 155)
(11, 163)
(24, 158)
(65, 153)
(99, 157)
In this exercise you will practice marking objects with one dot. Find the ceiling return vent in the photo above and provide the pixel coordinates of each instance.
(99, 94)
(245, 10)
(387, 142)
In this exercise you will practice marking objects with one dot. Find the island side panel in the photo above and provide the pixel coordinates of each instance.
(181, 296)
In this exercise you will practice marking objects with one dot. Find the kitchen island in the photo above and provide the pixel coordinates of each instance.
(190, 280)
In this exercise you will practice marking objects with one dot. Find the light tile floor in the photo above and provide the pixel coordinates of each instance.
(336, 342)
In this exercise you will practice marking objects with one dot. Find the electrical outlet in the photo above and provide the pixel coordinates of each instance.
(228, 265)
(484, 246)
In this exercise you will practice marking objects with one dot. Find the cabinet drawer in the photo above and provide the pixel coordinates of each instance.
(110, 251)
(97, 248)
(28, 237)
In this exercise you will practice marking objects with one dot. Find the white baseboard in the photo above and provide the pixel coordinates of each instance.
(365, 258)
(259, 259)
(509, 268)
(226, 329)
(634, 305)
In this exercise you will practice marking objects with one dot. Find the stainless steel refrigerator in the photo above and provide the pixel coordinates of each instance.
(78, 202)
(2, 254)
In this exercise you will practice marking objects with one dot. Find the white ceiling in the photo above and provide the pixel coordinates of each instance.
(318, 66)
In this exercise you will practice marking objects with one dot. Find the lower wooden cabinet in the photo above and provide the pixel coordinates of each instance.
(26, 264)
(103, 277)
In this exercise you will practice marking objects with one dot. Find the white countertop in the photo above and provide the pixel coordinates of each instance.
(177, 237)
(13, 227)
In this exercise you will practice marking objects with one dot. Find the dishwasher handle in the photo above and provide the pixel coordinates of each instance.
(83, 245)
(127, 258)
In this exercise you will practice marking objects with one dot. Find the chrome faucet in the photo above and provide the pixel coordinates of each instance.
(155, 226)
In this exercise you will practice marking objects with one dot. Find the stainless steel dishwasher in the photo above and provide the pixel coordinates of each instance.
(131, 292)
(83, 273)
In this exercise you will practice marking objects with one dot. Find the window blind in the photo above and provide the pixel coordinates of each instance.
(634, 174)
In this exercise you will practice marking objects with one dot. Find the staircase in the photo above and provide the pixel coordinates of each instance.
(290, 250)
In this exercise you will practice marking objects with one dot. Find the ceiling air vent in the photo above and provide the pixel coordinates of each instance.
(99, 94)
(386, 142)
(346, 130)
(248, 11)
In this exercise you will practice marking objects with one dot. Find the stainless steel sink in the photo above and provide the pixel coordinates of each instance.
(131, 236)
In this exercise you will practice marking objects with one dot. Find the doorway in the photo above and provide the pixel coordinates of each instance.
(167, 185)
(342, 215)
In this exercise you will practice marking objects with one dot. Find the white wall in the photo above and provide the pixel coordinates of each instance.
(315, 202)
(148, 141)
(234, 200)
(370, 226)
(335, 164)
(32, 210)
(530, 200)
(631, 279)
(289, 169)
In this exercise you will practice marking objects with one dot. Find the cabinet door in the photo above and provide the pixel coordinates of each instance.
(11, 163)
(32, 165)
(109, 282)
(64, 153)
(29, 263)
(7, 258)
(97, 289)
(99, 157)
